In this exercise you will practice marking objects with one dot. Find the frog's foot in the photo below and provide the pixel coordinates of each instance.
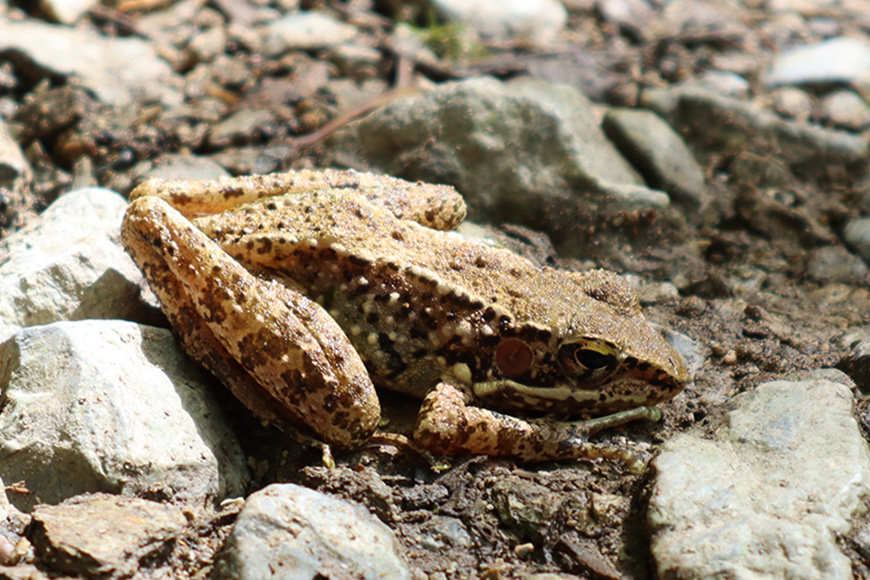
(279, 352)
(446, 424)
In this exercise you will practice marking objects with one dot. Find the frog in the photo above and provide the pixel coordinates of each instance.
(303, 291)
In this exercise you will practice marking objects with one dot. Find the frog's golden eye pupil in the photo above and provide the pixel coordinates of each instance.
(513, 357)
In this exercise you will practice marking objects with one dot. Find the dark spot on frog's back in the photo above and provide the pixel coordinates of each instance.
(265, 245)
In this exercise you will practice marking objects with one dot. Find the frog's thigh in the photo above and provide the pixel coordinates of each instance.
(238, 325)
(446, 424)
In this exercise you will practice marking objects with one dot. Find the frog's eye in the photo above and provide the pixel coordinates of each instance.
(513, 357)
(587, 359)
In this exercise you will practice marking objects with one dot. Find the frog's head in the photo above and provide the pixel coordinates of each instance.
(599, 356)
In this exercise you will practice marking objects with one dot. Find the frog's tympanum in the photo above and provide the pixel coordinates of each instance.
(301, 291)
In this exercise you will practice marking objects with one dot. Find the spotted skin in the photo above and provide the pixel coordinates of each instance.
(301, 291)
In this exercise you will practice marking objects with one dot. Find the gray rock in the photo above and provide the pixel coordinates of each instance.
(793, 103)
(656, 150)
(725, 83)
(441, 533)
(242, 127)
(634, 15)
(857, 363)
(857, 235)
(765, 493)
(100, 64)
(836, 264)
(836, 60)
(513, 149)
(539, 21)
(68, 265)
(111, 406)
(291, 532)
(712, 122)
(845, 110)
(100, 536)
(310, 30)
(181, 166)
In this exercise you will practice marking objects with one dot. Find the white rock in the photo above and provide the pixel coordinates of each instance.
(845, 110)
(66, 11)
(108, 405)
(290, 532)
(837, 60)
(13, 165)
(306, 31)
(100, 64)
(68, 264)
(540, 21)
(765, 494)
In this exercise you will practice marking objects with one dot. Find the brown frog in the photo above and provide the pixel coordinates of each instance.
(301, 291)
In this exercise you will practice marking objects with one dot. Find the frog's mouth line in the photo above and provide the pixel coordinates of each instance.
(508, 389)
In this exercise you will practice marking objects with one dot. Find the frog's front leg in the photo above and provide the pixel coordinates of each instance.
(279, 352)
(448, 424)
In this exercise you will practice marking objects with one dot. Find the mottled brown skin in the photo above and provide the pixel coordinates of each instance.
(323, 283)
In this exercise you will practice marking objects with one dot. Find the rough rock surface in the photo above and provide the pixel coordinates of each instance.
(294, 533)
(511, 148)
(720, 504)
(68, 265)
(104, 536)
(111, 406)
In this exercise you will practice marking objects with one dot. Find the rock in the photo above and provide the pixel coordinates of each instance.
(111, 406)
(732, 126)
(15, 181)
(857, 235)
(857, 363)
(631, 15)
(836, 264)
(242, 127)
(440, 533)
(793, 103)
(100, 64)
(309, 30)
(68, 265)
(12, 527)
(845, 110)
(513, 149)
(66, 11)
(181, 166)
(356, 61)
(291, 532)
(539, 21)
(655, 150)
(14, 169)
(100, 536)
(835, 60)
(766, 493)
(725, 83)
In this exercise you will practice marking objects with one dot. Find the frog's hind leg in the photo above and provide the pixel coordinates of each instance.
(447, 424)
(435, 206)
(279, 353)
